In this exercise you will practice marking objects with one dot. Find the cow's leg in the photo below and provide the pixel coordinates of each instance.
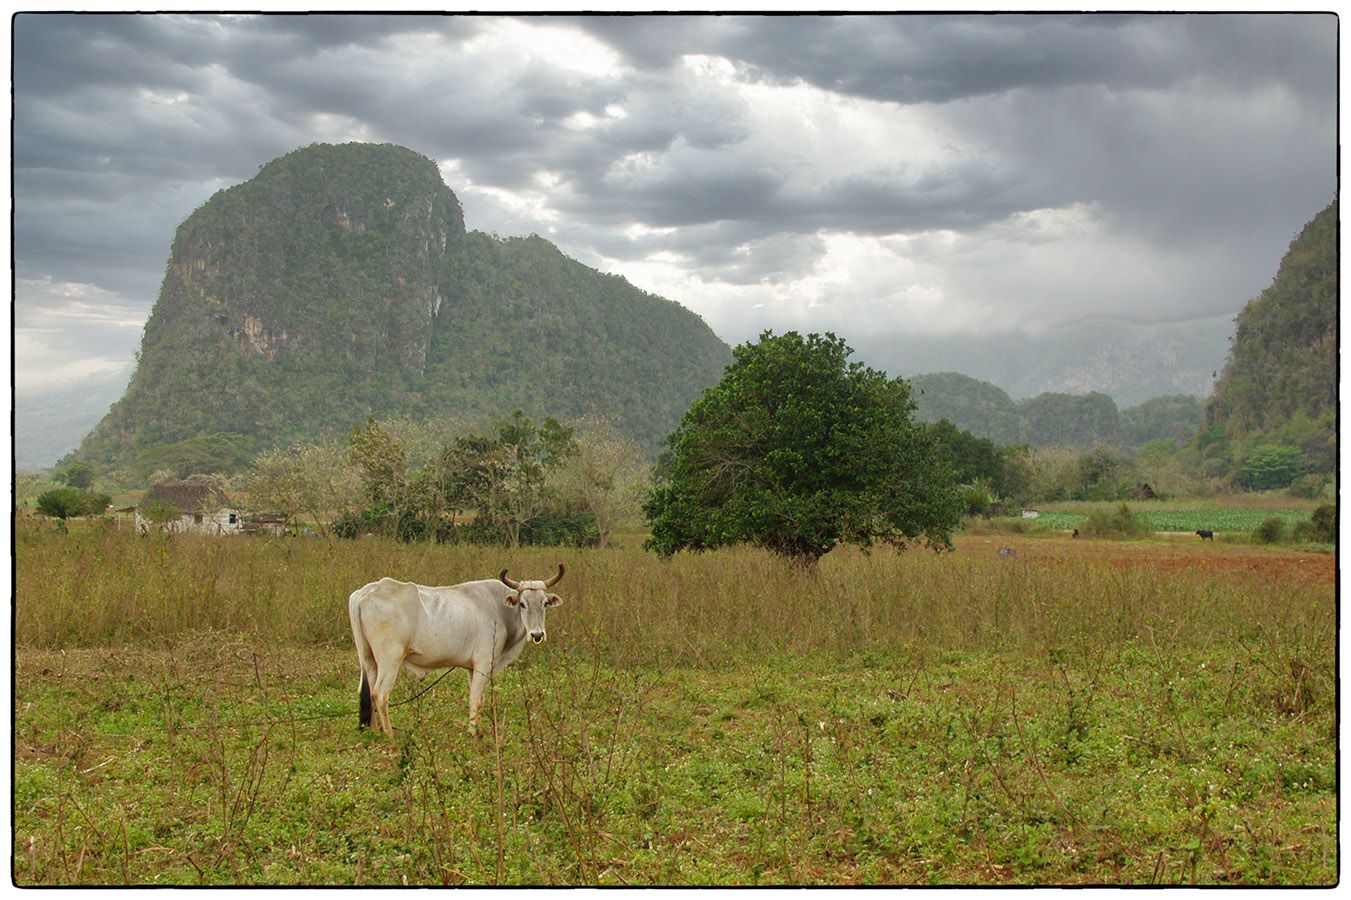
(478, 683)
(385, 677)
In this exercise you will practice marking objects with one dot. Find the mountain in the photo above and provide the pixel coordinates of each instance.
(1279, 385)
(971, 404)
(340, 283)
(1173, 417)
(1128, 361)
(1051, 419)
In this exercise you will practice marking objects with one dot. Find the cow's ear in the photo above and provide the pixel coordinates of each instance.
(511, 599)
(553, 600)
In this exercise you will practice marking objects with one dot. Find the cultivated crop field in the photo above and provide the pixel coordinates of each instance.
(1087, 712)
(1234, 514)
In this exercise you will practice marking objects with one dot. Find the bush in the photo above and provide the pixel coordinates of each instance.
(1120, 522)
(382, 521)
(562, 527)
(1324, 520)
(1321, 528)
(1305, 533)
(1001, 526)
(64, 503)
(976, 499)
(1310, 486)
(1271, 531)
(1102, 475)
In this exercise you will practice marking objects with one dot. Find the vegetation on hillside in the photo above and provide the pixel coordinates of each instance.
(1053, 419)
(1173, 417)
(340, 284)
(969, 403)
(530, 328)
(1279, 386)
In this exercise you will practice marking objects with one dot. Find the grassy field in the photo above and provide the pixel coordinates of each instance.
(1088, 712)
(1236, 513)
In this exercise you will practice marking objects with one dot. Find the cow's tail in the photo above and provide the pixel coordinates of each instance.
(364, 716)
(365, 660)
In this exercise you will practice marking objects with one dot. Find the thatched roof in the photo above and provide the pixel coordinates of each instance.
(188, 497)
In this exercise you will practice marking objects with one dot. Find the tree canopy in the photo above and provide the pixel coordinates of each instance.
(796, 450)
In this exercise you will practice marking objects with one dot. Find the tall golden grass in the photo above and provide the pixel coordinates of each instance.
(109, 587)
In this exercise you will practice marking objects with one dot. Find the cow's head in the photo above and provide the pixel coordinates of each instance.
(532, 598)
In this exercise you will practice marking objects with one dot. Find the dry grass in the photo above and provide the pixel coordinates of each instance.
(106, 587)
(1089, 712)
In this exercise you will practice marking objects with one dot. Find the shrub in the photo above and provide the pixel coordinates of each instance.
(1000, 526)
(1271, 531)
(1120, 522)
(382, 521)
(976, 499)
(567, 527)
(1310, 486)
(64, 503)
(1324, 520)
(1305, 533)
(1103, 475)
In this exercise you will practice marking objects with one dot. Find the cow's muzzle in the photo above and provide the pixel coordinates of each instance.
(537, 636)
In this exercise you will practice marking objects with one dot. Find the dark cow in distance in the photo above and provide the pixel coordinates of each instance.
(1206, 535)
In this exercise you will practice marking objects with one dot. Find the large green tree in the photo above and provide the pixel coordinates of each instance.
(798, 449)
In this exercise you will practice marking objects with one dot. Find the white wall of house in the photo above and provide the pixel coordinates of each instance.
(222, 521)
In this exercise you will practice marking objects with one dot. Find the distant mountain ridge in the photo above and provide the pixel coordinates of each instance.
(340, 283)
(1052, 419)
(1128, 361)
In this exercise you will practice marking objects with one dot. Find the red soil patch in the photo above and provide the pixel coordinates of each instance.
(1169, 555)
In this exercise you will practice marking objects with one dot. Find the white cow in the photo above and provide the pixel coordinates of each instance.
(479, 625)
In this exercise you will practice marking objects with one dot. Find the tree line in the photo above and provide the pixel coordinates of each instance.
(513, 481)
(797, 449)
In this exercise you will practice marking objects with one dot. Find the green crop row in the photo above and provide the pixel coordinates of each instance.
(1184, 520)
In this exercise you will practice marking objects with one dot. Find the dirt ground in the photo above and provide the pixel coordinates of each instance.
(1169, 553)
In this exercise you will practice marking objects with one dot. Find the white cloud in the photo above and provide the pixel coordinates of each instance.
(66, 331)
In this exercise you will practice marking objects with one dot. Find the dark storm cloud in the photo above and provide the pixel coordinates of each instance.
(940, 58)
(314, 31)
(724, 147)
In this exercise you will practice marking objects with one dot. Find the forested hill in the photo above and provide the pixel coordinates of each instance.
(1053, 419)
(340, 283)
(1279, 385)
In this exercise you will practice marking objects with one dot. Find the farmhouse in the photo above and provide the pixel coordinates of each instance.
(201, 508)
(265, 523)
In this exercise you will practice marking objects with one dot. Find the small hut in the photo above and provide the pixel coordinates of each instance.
(265, 523)
(1141, 492)
(202, 508)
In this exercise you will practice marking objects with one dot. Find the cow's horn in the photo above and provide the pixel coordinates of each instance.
(553, 581)
(502, 577)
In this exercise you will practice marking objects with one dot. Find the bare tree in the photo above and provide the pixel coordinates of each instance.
(606, 476)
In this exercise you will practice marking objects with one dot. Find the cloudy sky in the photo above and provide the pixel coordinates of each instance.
(869, 175)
